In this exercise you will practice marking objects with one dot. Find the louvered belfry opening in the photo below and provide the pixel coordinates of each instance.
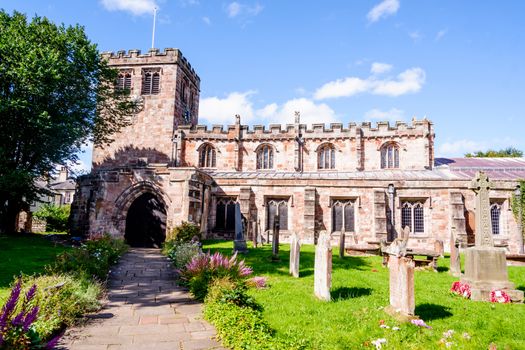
(150, 82)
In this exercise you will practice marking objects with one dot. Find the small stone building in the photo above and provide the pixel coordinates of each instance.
(362, 179)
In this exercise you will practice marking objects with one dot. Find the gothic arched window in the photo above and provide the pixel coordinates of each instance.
(150, 82)
(277, 208)
(326, 157)
(265, 157)
(225, 214)
(207, 158)
(343, 215)
(495, 213)
(389, 156)
(413, 216)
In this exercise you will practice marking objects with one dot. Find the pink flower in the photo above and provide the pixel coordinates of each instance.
(420, 323)
(259, 282)
(499, 296)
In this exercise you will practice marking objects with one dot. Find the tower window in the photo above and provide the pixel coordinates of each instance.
(124, 81)
(150, 82)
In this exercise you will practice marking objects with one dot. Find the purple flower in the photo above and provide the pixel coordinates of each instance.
(30, 294)
(420, 323)
(53, 342)
(10, 305)
(18, 320)
(30, 318)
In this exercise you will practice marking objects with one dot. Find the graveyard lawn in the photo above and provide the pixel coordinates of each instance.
(360, 292)
(25, 254)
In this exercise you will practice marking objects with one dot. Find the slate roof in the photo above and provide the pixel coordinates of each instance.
(69, 184)
(495, 168)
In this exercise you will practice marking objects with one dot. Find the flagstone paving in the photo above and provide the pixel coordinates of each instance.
(145, 310)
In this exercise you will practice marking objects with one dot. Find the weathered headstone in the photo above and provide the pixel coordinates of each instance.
(486, 265)
(239, 243)
(401, 271)
(455, 260)
(323, 267)
(342, 244)
(295, 250)
(275, 238)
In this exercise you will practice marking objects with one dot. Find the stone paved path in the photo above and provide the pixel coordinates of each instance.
(145, 310)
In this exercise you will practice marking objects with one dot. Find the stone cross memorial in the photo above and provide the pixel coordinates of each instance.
(323, 267)
(239, 243)
(486, 265)
(295, 249)
(275, 237)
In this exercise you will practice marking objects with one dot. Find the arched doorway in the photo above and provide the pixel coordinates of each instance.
(146, 222)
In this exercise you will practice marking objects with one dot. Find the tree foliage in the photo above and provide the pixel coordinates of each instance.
(506, 152)
(55, 94)
(56, 216)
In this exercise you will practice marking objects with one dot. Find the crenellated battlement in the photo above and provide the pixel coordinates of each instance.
(152, 57)
(381, 129)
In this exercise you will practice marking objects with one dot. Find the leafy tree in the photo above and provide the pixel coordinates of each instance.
(506, 152)
(56, 216)
(55, 94)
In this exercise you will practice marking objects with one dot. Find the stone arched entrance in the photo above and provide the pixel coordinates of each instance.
(146, 221)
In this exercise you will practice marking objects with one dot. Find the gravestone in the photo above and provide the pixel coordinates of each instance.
(275, 238)
(455, 260)
(239, 243)
(295, 250)
(486, 265)
(401, 279)
(342, 244)
(323, 267)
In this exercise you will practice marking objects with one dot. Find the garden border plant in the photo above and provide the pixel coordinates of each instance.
(70, 287)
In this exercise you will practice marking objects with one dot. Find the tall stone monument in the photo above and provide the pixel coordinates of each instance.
(275, 238)
(239, 243)
(401, 278)
(323, 267)
(295, 250)
(486, 265)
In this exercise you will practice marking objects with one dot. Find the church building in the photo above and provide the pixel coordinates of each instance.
(362, 180)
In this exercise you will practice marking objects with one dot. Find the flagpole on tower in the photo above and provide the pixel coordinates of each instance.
(153, 33)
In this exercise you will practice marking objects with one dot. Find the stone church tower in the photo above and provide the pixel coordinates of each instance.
(167, 89)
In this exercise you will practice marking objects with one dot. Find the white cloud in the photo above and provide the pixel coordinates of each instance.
(235, 9)
(392, 115)
(136, 7)
(215, 110)
(206, 20)
(458, 148)
(378, 68)
(415, 36)
(409, 81)
(383, 9)
(441, 34)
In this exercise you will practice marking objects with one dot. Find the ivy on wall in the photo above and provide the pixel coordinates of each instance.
(518, 203)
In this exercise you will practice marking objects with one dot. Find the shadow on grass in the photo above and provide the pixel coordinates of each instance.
(522, 288)
(430, 312)
(344, 293)
(442, 269)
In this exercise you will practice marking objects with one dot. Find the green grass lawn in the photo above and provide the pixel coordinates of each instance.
(26, 254)
(360, 291)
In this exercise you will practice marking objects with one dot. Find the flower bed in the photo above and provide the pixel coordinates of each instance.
(71, 287)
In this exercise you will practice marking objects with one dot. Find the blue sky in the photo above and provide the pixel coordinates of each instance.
(459, 63)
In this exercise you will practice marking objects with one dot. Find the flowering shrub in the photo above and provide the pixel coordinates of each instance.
(203, 268)
(17, 319)
(258, 282)
(185, 232)
(92, 258)
(181, 254)
(462, 289)
(499, 296)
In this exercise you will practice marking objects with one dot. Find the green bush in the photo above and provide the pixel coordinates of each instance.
(181, 253)
(56, 216)
(93, 259)
(185, 232)
(62, 299)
